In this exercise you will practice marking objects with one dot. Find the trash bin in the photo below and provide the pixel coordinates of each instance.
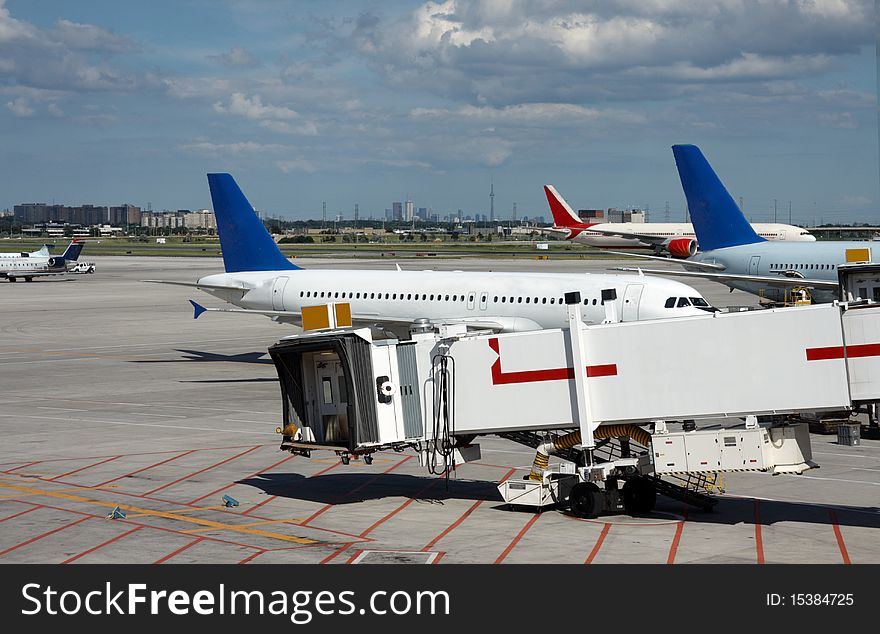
(849, 434)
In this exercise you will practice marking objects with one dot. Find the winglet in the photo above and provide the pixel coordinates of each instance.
(198, 309)
(718, 221)
(563, 214)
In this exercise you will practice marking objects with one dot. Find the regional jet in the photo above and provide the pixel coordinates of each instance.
(28, 266)
(258, 279)
(732, 253)
(678, 239)
(42, 252)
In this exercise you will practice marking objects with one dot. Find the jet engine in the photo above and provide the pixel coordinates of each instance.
(682, 248)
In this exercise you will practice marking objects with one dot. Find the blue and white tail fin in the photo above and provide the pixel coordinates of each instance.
(71, 254)
(244, 241)
(718, 221)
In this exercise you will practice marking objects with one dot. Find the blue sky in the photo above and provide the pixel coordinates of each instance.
(372, 102)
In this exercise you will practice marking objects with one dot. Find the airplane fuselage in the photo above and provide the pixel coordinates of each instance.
(514, 301)
(768, 231)
(818, 261)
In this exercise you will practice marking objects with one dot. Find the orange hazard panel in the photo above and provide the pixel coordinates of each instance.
(315, 317)
(858, 255)
(343, 315)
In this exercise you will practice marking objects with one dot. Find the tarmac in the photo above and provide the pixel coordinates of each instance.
(113, 396)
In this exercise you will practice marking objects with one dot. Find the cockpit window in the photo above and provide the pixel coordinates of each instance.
(670, 303)
(699, 301)
(683, 301)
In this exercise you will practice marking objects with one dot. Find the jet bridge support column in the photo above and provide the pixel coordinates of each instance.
(578, 356)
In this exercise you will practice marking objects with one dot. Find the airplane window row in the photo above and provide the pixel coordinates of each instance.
(432, 297)
(806, 267)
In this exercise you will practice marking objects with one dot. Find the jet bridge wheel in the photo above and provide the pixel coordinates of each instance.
(586, 500)
(639, 496)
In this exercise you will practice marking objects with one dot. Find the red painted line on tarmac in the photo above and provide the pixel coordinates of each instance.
(354, 556)
(353, 491)
(33, 508)
(463, 517)
(27, 464)
(178, 551)
(839, 536)
(101, 545)
(398, 509)
(152, 466)
(675, 540)
(518, 537)
(438, 558)
(232, 484)
(252, 557)
(599, 542)
(759, 543)
(208, 468)
(336, 553)
(41, 536)
(64, 475)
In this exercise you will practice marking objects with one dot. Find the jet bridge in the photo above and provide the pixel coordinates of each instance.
(578, 389)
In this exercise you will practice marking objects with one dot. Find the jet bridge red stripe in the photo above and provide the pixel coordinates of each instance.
(500, 377)
(838, 352)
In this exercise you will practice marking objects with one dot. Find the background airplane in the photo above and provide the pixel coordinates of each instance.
(260, 280)
(733, 254)
(676, 238)
(28, 266)
(42, 252)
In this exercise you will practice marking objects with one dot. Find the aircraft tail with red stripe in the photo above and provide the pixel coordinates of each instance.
(564, 216)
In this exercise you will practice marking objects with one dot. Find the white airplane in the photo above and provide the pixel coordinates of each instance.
(260, 280)
(676, 238)
(42, 252)
(29, 266)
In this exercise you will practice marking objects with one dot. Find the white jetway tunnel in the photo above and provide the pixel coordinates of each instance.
(445, 387)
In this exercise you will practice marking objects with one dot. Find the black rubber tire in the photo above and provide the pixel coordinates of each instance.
(11, 279)
(639, 496)
(368, 459)
(585, 500)
(28, 279)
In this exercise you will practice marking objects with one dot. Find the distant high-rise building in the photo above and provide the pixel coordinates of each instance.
(408, 211)
(397, 211)
(423, 213)
(123, 215)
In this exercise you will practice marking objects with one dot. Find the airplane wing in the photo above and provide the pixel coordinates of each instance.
(782, 282)
(710, 266)
(654, 241)
(290, 316)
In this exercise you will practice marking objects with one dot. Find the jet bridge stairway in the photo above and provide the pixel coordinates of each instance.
(693, 488)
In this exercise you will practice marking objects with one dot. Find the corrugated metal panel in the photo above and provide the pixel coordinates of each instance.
(409, 391)
(360, 371)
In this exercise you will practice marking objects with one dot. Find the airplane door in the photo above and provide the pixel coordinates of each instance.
(484, 300)
(332, 401)
(278, 293)
(631, 297)
(472, 298)
(753, 264)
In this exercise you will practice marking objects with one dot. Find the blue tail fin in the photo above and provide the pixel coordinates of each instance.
(718, 221)
(71, 254)
(244, 241)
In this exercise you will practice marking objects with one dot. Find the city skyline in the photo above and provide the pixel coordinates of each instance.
(347, 101)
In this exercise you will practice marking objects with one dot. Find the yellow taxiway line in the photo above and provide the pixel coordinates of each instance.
(208, 524)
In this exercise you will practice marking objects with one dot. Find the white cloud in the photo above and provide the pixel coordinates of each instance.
(88, 37)
(254, 108)
(20, 107)
(296, 165)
